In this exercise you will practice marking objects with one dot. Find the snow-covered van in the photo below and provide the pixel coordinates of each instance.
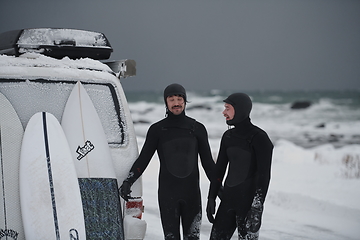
(40, 67)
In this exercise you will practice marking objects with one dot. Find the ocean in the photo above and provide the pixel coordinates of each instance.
(325, 117)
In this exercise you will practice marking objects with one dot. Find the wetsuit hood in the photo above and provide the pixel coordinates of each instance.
(242, 105)
(174, 89)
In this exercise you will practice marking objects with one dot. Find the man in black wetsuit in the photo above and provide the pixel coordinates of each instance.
(247, 150)
(178, 139)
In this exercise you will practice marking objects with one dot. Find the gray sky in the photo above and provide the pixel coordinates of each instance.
(229, 44)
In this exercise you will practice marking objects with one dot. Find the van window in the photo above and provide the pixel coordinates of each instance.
(30, 97)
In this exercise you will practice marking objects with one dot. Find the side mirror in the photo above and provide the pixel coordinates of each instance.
(123, 68)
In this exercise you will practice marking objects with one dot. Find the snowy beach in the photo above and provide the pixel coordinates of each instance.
(314, 189)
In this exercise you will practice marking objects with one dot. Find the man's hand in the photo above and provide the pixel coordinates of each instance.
(125, 190)
(210, 209)
(221, 192)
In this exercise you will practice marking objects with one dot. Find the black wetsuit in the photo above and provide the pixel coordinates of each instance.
(178, 140)
(248, 151)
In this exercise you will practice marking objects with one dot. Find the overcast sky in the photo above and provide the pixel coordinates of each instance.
(231, 45)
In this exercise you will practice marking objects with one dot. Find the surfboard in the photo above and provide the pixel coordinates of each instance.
(11, 133)
(93, 162)
(51, 205)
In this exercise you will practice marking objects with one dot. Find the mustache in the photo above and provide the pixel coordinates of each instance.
(176, 106)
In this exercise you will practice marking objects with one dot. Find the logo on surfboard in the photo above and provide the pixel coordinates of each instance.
(8, 233)
(74, 235)
(83, 151)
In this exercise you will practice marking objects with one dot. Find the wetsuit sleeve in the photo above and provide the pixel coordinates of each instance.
(220, 169)
(206, 158)
(145, 155)
(263, 151)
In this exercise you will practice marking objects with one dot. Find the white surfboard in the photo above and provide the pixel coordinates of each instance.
(50, 197)
(11, 133)
(97, 178)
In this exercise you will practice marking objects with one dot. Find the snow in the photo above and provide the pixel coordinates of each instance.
(313, 194)
(134, 228)
(36, 60)
(314, 191)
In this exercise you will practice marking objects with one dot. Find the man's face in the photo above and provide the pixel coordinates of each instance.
(175, 104)
(229, 112)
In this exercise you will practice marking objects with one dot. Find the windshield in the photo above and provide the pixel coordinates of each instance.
(30, 97)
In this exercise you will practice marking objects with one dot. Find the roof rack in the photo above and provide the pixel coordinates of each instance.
(56, 43)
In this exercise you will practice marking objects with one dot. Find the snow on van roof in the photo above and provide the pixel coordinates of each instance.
(33, 65)
(39, 60)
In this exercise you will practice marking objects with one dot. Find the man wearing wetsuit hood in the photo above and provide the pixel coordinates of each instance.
(178, 140)
(247, 151)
